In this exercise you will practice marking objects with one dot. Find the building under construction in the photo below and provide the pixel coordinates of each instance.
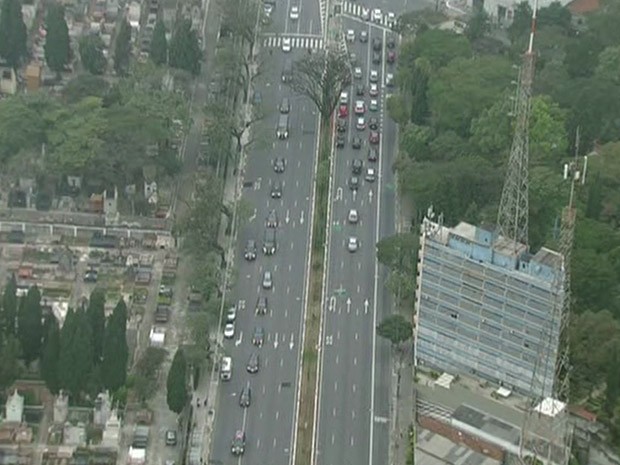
(485, 307)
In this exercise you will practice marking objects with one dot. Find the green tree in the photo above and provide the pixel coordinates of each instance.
(322, 76)
(479, 25)
(609, 64)
(159, 44)
(415, 142)
(13, 34)
(397, 108)
(440, 47)
(91, 54)
(57, 44)
(184, 50)
(84, 85)
(15, 131)
(396, 329)
(122, 48)
(144, 380)
(419, 91)
(96, 317)
(9, 307)
(582, 53)
(30, 325)
(177, 394)
(399, 252)
(115, 350)
(10, 368)
(465, 87)
(51, 355)
(555, 14)
(521, 22)
(240, 18)
(75, 364)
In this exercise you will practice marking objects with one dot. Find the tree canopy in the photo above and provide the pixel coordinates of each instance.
(57, 43)
(13, 34)
(115, 350)
(184, 50)
(159, 44)
(122, 48)
(396, 329)
(177, 394)
(91, 54)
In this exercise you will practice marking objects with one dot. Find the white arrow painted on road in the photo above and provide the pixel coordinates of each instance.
(288, 216)
(348, 304)
(354, 195)
(292, 343)
(366, 304)
(370, 196)
(332, 303)
(238, 341)
(275, 342)
(338, 194)
(301, 220)
(253, 217)
(257, 184)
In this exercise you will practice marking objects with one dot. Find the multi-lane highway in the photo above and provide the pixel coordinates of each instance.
(268, 422)
(354, 402)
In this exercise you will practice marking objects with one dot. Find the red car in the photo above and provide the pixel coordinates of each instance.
(343, 111)
(391, 56)
(374, 137)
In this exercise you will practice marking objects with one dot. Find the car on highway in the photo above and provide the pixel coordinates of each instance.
(370, 175)
(353, 217)
(373, 155)
(340, 141)
(171, 437)
(356, 166)
(359, 90)
(374, 75)
(258, 338)
(364, 37)
(229, 330)
(373, 91)
(373, 123)
(343, 111)
(376, 58)
(250, 250)
(353, 244)
(279, 164)
(357, 72)
(377, 16)
(374, 137)
(391, 56)
(257, 98)
(272, 219)
(270, 244)
(267, 282)
(389, 80)
(341, 125)
(360, 125)
(262, 305)
(294, 15)
(238, 443)
(285, 106)
(253, 363)
(360, 107)
(245, 397)
(350, 35)
(356, 143)
(226, 368)
(231, 314)
(276, 190)
(365, 14)
(353, 58)
(377, 44)
(344, 98)
(391, 19)
(286, 44)
(374, 105)
(354, 183)
(391, 42)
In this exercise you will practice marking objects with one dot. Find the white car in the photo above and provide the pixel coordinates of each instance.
(357, 73)
(373, 90)
(391, 19)
(351, 35)
(365, 14)
(361, 123)
(360, 108)
(231, 314)
(294, 13)
(374, 75)
(389, 80)
(229, 330)
(353, 244)
(374, 105)
(370, 175)
(353, 216)
(344, 98)
(377, 16)
(286, 44)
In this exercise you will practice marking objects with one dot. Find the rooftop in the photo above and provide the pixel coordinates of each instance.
(433, 449)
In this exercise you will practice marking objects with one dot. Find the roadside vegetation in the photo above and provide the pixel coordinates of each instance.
(453, 107)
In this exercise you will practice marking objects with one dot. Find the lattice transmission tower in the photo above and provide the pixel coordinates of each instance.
(512, 219)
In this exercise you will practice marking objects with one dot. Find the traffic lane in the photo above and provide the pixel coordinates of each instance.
(310, 17)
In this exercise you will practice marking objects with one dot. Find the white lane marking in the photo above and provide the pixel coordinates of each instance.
(277, 414)
(336, 386)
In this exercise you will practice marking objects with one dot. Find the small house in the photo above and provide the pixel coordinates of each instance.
(33, 77)
(8, 81)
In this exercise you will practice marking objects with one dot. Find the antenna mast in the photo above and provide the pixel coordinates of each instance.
(512, 219)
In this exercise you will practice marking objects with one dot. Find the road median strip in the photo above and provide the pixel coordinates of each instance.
(310, 359)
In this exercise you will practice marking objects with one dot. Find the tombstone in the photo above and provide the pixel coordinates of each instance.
(102, 409)
(14, 408)
(61, 408)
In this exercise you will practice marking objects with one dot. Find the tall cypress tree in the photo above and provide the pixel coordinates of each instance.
(76, 353)
(51, 354)
(13, 34)
(184, 50)
(159, 44)
(66, 371)
(57, 43)
(122, 49)
(176, 384)
(30, 325)
(9, 307)
(115, 350)
(96, 317)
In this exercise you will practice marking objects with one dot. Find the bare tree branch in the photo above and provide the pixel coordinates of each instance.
(322, 76)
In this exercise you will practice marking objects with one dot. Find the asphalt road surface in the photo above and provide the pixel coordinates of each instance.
(354, 408)
(269, 421)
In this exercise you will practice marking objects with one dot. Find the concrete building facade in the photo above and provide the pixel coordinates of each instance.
(488, 308)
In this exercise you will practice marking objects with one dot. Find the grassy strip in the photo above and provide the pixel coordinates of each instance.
(305, 424)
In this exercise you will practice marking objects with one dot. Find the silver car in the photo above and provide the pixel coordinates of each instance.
(267, 280)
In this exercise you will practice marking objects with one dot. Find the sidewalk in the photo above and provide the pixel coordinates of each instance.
(402, 409)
